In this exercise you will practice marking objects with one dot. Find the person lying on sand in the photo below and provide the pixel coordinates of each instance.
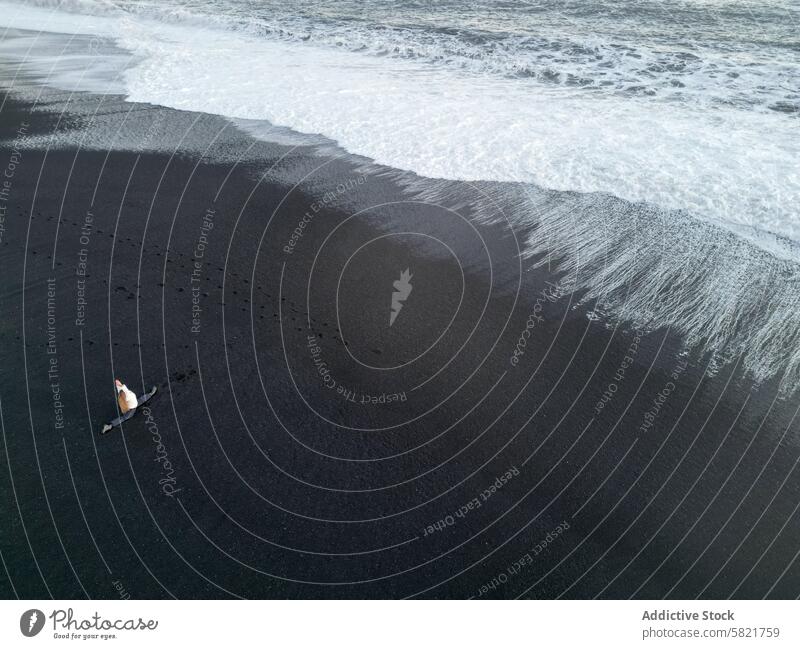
(127, 400)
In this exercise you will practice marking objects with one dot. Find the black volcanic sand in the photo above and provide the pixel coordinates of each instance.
(299, 446)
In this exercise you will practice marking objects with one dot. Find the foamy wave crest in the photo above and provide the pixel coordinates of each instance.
(733, 166)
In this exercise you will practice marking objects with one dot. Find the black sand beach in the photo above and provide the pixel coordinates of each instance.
(299, 445)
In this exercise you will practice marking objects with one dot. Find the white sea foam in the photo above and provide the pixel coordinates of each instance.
(733, 166)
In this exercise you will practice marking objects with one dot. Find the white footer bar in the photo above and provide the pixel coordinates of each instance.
(388, 625)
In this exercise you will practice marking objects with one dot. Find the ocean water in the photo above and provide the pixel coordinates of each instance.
(646, 118)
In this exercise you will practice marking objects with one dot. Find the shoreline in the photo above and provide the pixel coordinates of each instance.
(284, 486)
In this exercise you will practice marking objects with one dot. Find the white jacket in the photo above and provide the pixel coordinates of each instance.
(127, 399)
